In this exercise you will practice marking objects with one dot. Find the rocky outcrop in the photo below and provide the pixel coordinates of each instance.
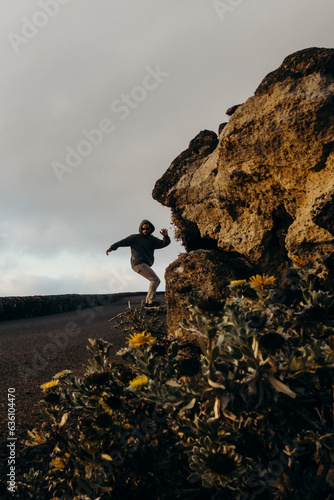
(207, 272)
(263, 189)
(323, 211)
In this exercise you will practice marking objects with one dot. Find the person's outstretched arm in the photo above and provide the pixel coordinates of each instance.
(126, 242)
(110, 249)
(165, 241)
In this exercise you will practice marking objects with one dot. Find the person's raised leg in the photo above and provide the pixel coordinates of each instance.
(148, 273)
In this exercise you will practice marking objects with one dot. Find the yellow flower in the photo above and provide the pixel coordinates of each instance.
(238, 282)
(105, 407)
(261, 281)
(36, 439)
(62, 374)
(49, 385)
(139, 381)
(57, 464)
(307, 261)
(110, 402)
(141, 339)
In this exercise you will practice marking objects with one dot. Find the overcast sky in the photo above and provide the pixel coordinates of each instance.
(98, 97)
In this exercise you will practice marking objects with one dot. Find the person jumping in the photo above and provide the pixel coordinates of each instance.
(142, 246)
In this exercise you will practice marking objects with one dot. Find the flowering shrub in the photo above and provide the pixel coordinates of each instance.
(141, 339)
(239, 407)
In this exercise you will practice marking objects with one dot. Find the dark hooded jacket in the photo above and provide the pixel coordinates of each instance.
(142, 245)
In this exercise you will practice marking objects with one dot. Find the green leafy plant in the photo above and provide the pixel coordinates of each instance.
(239, 406)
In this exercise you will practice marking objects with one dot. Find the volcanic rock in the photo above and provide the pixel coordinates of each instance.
(263, 189)
(257, 191)
(205, 272)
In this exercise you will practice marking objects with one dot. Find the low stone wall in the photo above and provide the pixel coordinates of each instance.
(43, 305)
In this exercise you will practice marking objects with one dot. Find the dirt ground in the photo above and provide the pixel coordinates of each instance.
(32, 351)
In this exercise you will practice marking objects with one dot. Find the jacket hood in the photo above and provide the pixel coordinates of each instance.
(145, 221)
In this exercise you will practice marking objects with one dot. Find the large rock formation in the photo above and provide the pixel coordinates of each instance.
(208, 272)
(263, 189)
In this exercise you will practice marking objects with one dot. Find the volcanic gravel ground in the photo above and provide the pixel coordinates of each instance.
(33, 350)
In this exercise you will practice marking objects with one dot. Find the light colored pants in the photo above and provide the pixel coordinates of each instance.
(147, 272)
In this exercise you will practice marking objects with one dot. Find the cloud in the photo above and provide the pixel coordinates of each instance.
(64, 81)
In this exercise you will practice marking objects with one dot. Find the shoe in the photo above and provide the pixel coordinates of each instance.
(154, 303)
